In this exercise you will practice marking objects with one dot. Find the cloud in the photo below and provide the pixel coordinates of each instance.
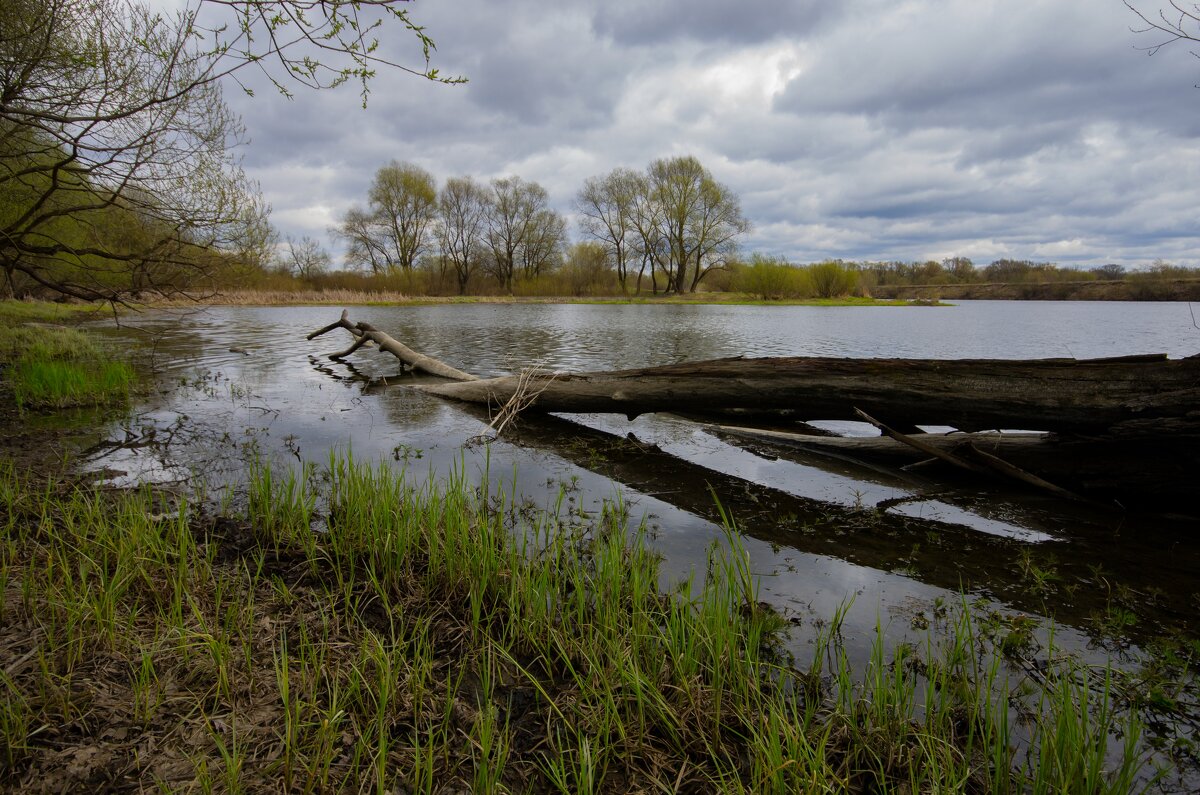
(858, 130)
(655, 22)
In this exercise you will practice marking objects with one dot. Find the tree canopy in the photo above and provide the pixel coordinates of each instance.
(118, 165)
(681, 221)
(393, 231)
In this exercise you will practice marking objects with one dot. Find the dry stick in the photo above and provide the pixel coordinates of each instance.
(993, 463)
(928, 449)
(521, 399)
(1015, 472)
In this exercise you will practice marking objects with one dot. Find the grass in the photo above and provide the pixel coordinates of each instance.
(48, 367)
(349, 630)
(17, 312)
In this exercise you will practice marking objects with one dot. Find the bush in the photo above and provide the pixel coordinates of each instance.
(832, 279)
(773, 278)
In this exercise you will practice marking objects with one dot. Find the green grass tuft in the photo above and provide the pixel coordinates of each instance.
(354, 631)
(48, 367)
(61, 384)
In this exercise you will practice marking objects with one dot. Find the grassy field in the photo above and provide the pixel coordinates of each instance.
(350, 630)
(46, 366)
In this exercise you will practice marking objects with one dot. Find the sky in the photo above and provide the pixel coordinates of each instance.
(860, 130)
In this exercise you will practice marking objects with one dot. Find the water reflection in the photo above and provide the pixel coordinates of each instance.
(821, 532)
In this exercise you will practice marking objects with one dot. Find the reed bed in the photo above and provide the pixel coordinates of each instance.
(348, 629)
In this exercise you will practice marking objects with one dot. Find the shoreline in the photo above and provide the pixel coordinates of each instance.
(479, 674)
(370, 298)
(1138, 290)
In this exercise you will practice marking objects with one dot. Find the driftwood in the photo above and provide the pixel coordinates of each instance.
(1098, 395)
(365, 333)
(1142, 411)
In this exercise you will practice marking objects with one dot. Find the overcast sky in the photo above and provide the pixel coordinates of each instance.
(864, 129)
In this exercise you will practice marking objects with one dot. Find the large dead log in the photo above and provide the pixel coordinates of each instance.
(1081, 396)
(1116, 414)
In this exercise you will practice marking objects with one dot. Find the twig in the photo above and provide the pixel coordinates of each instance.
(988, 463)
(924, 447)
(522, 398)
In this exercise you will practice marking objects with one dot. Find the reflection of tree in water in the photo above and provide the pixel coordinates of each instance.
(402, 407)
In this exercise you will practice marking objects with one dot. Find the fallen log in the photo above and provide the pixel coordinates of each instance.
(1143, 412)
(1065, 395)
(1130, 395)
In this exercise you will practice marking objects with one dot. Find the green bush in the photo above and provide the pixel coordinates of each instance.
(832, 279)
(772, 278)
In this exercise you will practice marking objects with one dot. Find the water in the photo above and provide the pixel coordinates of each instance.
(244, 381)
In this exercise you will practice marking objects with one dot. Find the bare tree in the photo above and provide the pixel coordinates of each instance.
(462, 212)
(1175, 22)
(700, 220)
(392, 232)
(522, 231)
(117, 170)
(649, 244)
(544, 241)
(305, 257)
(607, 205)
(365, 245)
(715, 226)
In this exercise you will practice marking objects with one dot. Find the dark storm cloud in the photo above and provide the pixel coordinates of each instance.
(642, 22)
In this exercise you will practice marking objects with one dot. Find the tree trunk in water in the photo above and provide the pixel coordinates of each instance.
(1133, 395)
(365, 332)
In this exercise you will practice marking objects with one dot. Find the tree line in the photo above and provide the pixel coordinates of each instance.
(773, 277)
(664, 229)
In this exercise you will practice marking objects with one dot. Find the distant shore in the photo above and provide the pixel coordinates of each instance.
(1115, 290)
(386, 298)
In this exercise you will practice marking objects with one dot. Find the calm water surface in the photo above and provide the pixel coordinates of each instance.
(815, 530)
(239, 382)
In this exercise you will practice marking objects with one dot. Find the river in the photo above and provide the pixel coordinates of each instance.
(238, 382)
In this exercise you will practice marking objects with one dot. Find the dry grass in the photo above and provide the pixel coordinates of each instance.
(337, 297)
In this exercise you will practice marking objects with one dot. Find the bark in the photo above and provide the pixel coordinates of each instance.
(365, 332)
(1129, 394)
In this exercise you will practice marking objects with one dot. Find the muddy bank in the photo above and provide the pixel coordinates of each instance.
(1123, 290)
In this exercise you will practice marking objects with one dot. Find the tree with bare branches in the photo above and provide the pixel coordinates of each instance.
(118, 169)
(606, 206)
(305, 257)
(462, 213)
(391, 233)
(524, 236)
(1176, 22)
(700, 220)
